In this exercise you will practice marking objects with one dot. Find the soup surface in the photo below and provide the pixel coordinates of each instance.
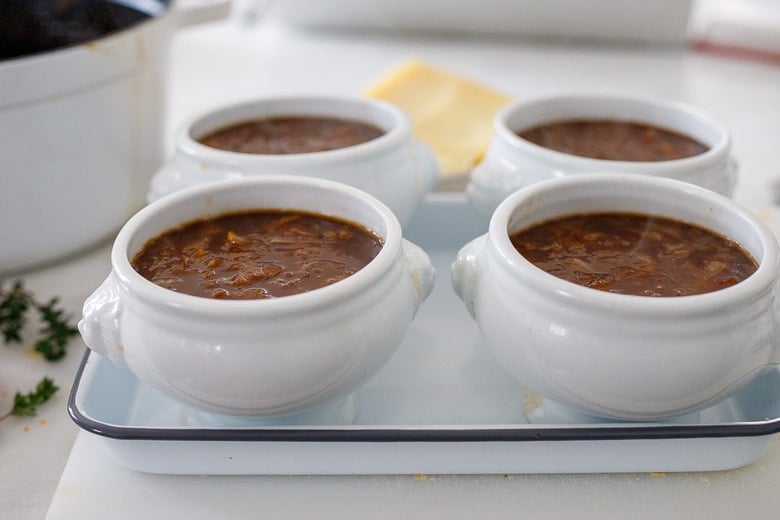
(614, 140)
(256, 255)
(288, 135)
(635, 254)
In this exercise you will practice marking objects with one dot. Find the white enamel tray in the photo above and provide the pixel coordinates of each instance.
(441, 405)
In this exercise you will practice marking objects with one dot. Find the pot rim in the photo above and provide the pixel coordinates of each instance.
(83, 66)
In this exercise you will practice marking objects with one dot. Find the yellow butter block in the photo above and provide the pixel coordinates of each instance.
(453, 115)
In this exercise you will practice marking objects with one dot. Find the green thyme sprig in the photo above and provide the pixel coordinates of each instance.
(55, 332)
(14, 305)
(26, 405)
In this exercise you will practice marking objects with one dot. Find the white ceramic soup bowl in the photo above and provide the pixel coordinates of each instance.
(615, 355)
(395, 168)
(258, 358)
(513, 162)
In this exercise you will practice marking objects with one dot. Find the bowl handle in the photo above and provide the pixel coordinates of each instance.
(194, 12)
(464, 270)
(99, 325)
(418, 265)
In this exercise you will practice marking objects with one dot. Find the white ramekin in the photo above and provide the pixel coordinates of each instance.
(258, 358)
(512, 162)
(395, 168)
(630, 357)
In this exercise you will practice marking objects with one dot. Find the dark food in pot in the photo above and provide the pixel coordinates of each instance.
(613, 140)
(635, 254)
(256, 255)
(288, 135)
(34, 26)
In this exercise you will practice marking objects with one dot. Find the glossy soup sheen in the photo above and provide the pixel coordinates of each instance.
(257, 254)
(289, 135)
(635, 254)
(614, 140)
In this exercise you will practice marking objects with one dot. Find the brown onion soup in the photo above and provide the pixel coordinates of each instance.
(635, 254)
(614, 140)
(289, 135)
(256, 254)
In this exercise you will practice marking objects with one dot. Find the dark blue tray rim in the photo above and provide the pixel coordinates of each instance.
(434, 434)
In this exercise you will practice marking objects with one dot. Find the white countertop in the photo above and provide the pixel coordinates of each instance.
(227, 61)
(98, 488)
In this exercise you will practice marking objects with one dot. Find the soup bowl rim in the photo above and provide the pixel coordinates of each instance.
(674, 307)
(362, 280)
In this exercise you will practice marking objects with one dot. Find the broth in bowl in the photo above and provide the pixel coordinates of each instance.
(292, 134)
(614, 140)
(635, 254)
(256, 255)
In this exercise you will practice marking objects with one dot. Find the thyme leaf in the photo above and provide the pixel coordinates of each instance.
(14, 305)
(55, 332)
(26, 405)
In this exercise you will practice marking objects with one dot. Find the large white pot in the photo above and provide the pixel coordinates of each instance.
(81, 133)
